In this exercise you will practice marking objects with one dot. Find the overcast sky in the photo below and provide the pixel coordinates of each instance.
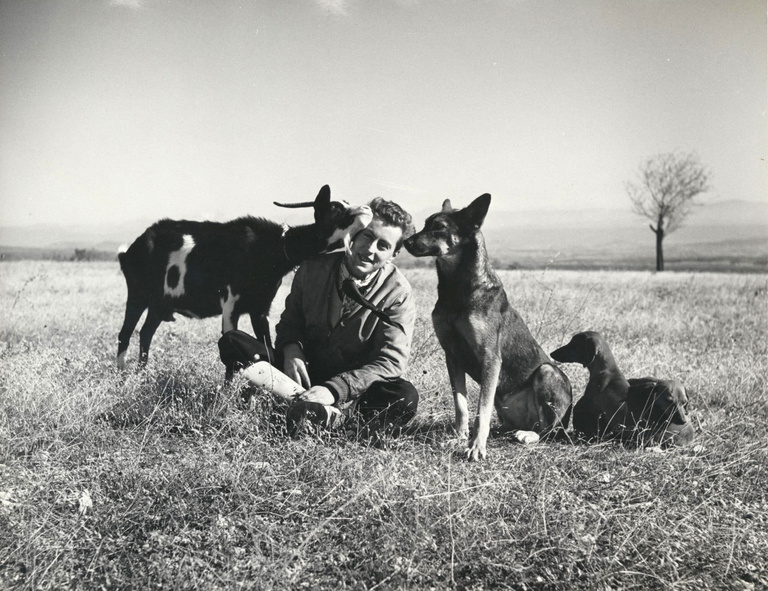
(125, 109)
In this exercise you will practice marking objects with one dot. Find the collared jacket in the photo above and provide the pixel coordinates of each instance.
(350, 353)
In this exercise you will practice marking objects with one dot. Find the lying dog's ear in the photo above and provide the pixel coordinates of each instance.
(447, 206)
(667, 402)
(591, 348)
(680, 401)
(477, 210)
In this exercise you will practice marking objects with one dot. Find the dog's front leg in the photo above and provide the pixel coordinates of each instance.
(490, 380)
(459, 387)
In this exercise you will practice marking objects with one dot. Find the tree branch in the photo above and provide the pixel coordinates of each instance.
(666, 189)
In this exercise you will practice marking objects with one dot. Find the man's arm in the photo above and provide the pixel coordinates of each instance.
(392, 348)
(290, 332)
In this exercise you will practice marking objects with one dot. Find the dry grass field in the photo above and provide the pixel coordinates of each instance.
(163, 479)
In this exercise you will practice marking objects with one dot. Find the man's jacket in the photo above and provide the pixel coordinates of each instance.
(349, 354)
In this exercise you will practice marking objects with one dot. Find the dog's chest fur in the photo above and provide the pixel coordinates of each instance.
(473, 321)
(467, 329)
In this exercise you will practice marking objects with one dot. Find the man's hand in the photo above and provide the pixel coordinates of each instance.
(295, 364)
(319, 394)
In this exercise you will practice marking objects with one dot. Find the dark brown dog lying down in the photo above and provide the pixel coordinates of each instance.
(647, 411)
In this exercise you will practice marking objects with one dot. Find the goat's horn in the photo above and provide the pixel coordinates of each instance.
(351, 290)
(293, 205)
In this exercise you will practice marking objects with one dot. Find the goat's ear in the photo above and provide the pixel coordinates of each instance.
(447, 206)
(323, 198)
(477, 210)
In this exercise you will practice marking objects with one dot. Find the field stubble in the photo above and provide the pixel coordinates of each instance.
(163, 479)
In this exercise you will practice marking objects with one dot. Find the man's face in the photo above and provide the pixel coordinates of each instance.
(372, 248)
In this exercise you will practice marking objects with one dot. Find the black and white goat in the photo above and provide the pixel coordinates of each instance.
(202, 269)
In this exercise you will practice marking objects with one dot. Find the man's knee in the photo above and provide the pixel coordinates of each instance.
(394, 401)
(238, 349)
(410, 401)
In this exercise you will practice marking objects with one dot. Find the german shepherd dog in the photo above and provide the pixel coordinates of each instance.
(483, 336)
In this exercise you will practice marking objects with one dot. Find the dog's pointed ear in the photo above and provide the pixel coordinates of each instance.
(477, 210)
(447, 206)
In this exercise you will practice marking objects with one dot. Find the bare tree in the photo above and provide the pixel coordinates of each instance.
(665, 193)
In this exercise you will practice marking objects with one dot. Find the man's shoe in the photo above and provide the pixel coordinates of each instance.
(300, 413)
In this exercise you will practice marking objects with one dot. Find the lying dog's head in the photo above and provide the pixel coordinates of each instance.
(583, 348)
(446, 231)
(668, 401)
(665, 414)
(680, 428)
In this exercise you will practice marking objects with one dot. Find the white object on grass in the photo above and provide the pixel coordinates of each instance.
(264, 375)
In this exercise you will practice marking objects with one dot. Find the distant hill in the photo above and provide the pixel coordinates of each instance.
(50, 236)
(724, 231)
(719, 235)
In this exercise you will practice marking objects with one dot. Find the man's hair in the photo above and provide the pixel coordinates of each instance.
(392, 214)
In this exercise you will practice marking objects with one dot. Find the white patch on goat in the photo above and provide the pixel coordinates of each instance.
(178, 258)
(227, 310)
(121, 360)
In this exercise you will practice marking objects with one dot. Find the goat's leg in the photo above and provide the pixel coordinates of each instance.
(133, 312)
(230, 316)
(229, 322)
(260, 323)
(229, 368)
(145, 335)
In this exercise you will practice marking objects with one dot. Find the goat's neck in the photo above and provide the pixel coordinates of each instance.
(464, 270)
(301, 243)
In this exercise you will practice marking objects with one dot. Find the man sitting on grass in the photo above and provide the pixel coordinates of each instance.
(346, 356)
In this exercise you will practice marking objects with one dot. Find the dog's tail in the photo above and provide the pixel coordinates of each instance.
(561, 393)
(559, 429)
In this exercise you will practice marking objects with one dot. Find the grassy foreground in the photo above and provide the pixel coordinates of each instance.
(162, 479)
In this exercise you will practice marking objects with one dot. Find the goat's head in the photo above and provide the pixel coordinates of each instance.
(337, 222)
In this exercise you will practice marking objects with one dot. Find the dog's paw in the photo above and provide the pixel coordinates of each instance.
(476, 451)
(526, 437)
(462, 434)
